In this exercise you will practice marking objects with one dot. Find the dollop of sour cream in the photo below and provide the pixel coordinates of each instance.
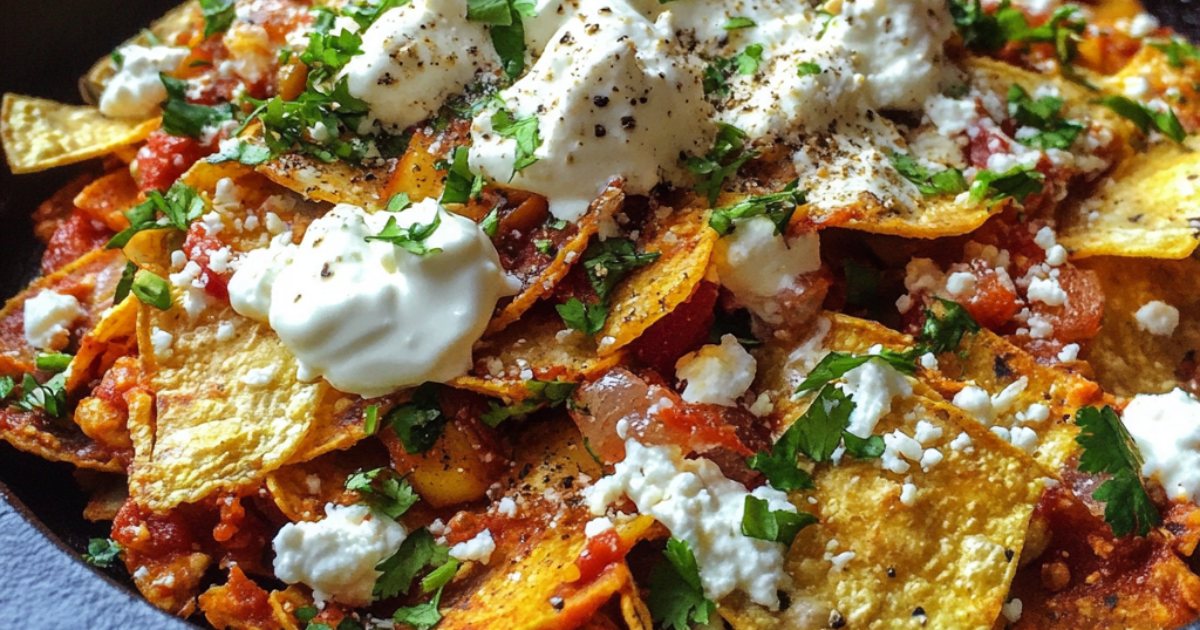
(136, 90)
(369, 316)
(612, 99)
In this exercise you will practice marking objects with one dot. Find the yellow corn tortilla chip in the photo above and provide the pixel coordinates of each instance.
(685, 243)
(114, 336)
(229, 410)
(1126, 359)
(39, 134)
(1149, 207)
(609, 202)
(338, 182)
(538, 345)
(301, 490)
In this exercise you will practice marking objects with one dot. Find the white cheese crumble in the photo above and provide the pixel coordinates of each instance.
(873, 385)
(1047, 291)
(898, 444)
(754, 262)
(700, 506)
(136, 90)
(960, 283)
(1157, 318)
(336, 556)
(479, 548)
(985, 408)
(1070, 352)
(597, 526)
(717, 374)
(371, 317)
(1166, 428)
(260, 377)
(48, 319)
(1012, 610)
(160, 343)
(908, 494)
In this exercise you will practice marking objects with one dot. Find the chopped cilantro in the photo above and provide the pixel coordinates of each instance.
(781, 526)
(125, 284)
(524, 132)
(1177, 50)
(383, 490)
(53, 361)
(398, 203)
(371, 420)
(102, 552)
(50, 397)
(181, 118)
(218, 15)
(440, 576)
(491, 222)
(748, 60)
(545, 247)
(949, 181)
(417, 552)
(859, 448)
(738, 22)
(179, 207)
(818, 432)
(1018, 183)
(152, 289)
(779, 207)
(1145, 118)
(461, 184)
(945, 332)
(1109, 449)
(583, 316)
(608, 262)
(419, 422)
(676, 597)
(980, 30)
(7, 385)
(117, 57)
(718, 71)
(489, 11)
(835, 365)
(727, 155)
(509, 42)
(306, 614)
(421, 616)
(554, 392)
(736, 323)
(366, 13)
(808, 69)
(1055, 132)
(411, 239)
(498, 413)
(241, 151)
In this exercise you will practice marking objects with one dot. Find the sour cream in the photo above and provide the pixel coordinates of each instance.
(1166, 428)
(372, 317)
(136, 90)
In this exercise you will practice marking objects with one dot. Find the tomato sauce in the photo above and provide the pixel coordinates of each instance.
(73, 238)
(164, 158)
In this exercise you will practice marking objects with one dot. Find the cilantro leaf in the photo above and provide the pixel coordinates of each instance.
(50, 397)
(1018, 183)
(715, 79)
(498, 413)
(491, 223)
(125, 284)
(979, 29)
(781, 526)
(416, 552)
(152, 290)
(524, 132)
(1109, 449)
(371, 420)
(7, 385)
(1178, 51)
(676, 597)
(943, 333)
(808, 69)
(781, 466)
(419, 422)
(724, 159)
(608, 262)
(509, 42)
(52, 361)
(366, 13)
(779, 207)
(421, 616)
(819, 431)
(738, 22)
(102, 552)
(585, 317)
(554, 392)
(179, 207)
(383, 490)
(440, 576)
(235, 150)
(1042, 114)
(949, 181)
(412, 238)
(489, 12)
(218, 15)
(748, 60)
(835, 365)
(1145, 118)
(461, 184)
(398, 203)
(181, 118)
(858, 448)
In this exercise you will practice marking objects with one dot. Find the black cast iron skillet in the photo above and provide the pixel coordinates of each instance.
(45, 46)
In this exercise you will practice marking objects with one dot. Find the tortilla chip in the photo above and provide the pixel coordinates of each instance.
(1128, 360)
(219, 427)
(173, 28)
(114, 336)
(686, 243)
(107, 199)
(1148, 208)
(301, 490)
(544, 283)
(92, 280)
(39, 134)
(338, 182)
(537, 346)
(417, 174)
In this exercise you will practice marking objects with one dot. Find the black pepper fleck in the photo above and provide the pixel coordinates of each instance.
(1008, 554)
(891, 572)
(628, 122)
(601, 131)
(556, 602)
(836, 620)
(918, 612)
(600, 101)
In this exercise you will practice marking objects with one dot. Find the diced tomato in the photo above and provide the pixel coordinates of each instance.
(198, 246)
(74, 237)
(704, 425)
(685, 329)
(994, 300)
(154, 535)
(164, 158)
(601, 551)
(983, 145)
(1078, 319)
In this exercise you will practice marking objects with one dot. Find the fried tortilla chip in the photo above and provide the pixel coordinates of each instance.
(538, 346)
(92, 280)
(229, 406)
(1148, 208)
(1127, 359)
(39, 134)
(338, 182)
(174, 26)
(685, 243)
(301, 490)
(114, 336)
(107, 199)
